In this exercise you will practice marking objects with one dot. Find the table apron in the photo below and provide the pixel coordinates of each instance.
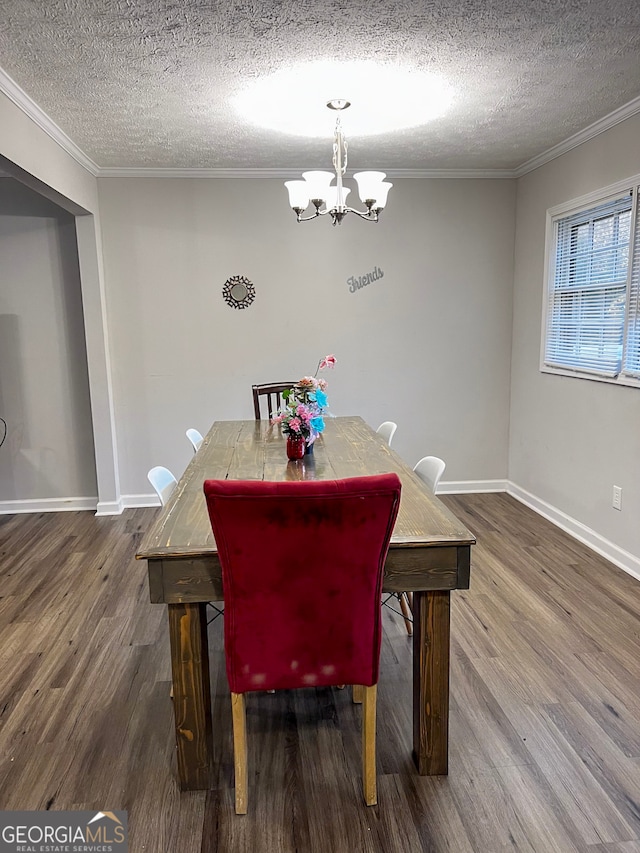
(179, 580)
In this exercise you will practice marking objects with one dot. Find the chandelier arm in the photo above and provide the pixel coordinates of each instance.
(313, 215)
(370, 215)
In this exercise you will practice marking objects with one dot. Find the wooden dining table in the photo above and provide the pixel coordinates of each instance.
(429, 555)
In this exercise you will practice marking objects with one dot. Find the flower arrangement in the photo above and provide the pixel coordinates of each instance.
(305, 404)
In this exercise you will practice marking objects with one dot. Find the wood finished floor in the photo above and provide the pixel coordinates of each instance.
(545, 705)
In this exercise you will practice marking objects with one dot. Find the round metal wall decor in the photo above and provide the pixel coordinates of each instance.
(238, 291)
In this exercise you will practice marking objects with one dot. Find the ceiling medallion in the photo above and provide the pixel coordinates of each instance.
(315, 186)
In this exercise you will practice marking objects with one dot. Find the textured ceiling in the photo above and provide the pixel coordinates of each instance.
(145, 83)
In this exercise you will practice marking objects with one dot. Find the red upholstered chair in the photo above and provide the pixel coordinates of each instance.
(302, 566)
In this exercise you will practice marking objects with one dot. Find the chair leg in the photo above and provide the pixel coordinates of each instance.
(357, 694)
(406, 612)
(240, 750)
(369, 782)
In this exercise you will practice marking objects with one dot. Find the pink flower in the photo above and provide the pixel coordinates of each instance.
(295, 424)
(328, 361)
(308, 382)
(277, 419)
(303, 412)
(322, 384)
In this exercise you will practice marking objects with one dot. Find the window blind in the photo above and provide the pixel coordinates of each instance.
(588, 289)
(632, 343)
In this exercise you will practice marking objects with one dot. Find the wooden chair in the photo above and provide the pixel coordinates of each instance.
(387, 430)
(302, 566)
(273, 393)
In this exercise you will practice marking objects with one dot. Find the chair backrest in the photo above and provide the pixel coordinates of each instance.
(163, 482)
(195, 438)
(430, 469)
(386, 430)
(272, 391)
(302, 566)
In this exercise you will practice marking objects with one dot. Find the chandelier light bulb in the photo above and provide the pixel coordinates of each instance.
(318, 184)
(298, 194)
(369, 185)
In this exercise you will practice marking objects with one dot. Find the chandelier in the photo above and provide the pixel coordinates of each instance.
(316, 186)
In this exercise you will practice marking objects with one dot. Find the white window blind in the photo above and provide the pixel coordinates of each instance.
(632, 342)
(588, 285)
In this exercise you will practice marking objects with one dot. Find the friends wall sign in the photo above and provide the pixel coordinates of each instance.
(357, 282)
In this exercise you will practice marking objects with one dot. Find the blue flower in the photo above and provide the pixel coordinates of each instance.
(317, 423)
(321, 398)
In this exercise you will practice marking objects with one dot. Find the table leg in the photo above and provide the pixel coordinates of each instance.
(431, 682)
(191, 694)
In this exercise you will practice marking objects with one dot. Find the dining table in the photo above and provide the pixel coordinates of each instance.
(429, 556)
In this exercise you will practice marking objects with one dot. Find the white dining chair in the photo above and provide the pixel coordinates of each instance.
(163, 482)
(387, 430)
(430, 469)
(195, 438)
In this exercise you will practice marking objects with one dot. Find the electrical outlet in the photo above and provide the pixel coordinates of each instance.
(617, 498)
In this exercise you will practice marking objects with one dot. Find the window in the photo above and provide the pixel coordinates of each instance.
(592, 299)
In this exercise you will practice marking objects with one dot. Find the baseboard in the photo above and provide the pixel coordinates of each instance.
(469, 487)
(48, 505)
(110, 507)
(136, 501)
(618, 556)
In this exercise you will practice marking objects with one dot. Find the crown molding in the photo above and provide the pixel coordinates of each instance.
(290, 174)
(186, 172)
(451, 173)
(621, 114)
(10, 88)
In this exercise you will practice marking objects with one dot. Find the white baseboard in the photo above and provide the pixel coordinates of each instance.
(135, 501)
(110, 507)
(48, 505)
(469, 487)
(618, 556)
(79, 504)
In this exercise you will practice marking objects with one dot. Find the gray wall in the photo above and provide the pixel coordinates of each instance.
(571, 439)
(428, 345)
(33, 155)
(44, 387)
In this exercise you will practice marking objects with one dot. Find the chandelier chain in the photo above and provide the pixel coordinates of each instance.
(339, 156)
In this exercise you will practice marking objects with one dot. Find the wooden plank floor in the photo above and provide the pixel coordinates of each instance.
(545, 705)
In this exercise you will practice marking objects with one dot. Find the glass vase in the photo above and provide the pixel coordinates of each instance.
(295, 447)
